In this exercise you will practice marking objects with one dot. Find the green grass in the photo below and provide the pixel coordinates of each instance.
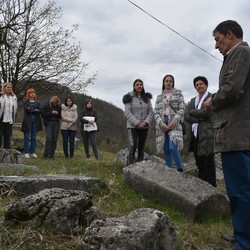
(117, 200)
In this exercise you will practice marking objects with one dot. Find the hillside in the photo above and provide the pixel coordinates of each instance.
(112, 134)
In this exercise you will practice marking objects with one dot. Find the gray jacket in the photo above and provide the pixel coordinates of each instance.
(231, 103)
(136, 110)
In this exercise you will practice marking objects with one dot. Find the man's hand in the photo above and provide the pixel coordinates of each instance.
(207, 104)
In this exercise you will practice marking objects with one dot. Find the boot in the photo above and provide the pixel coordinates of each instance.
(140, 156)
(131, 156)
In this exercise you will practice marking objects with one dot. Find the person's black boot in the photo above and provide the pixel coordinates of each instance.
(131, 156)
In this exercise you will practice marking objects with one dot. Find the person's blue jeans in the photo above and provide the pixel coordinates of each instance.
(68, 141)
(30, 138)
(236, 169)
(170, 149)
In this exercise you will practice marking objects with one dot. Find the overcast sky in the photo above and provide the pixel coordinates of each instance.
(123, 43)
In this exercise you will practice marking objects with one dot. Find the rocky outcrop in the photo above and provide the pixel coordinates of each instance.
(58, 210)
(144, 228)
(26, 185)
(190, 195)
(11, 156)
(122, 156)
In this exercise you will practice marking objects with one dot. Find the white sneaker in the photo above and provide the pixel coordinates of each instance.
(34, 155)
(26, 155)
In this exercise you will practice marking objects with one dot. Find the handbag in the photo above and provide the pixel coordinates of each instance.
(183, 126)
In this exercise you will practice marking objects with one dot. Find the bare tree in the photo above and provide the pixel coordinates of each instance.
(34, 51)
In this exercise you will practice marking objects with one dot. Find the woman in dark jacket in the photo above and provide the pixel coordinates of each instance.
(139, 115)
(51, 114)
(31, 123)
(89, 128)
(200, 132)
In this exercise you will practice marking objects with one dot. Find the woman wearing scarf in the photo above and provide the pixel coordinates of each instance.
(200, 133)
(168, 113)
(8, 109)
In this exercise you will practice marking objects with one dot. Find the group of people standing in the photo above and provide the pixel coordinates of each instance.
(169, 112)
(215, 123)
(55, 117)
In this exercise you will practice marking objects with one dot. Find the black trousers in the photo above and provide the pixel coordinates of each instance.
(52, 131)
(137, 140)
(205, 164)
(5, 134)
(89, 138)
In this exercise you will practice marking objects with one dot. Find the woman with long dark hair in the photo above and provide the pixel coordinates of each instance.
(89, 128)
(69, 126)
(139, 115)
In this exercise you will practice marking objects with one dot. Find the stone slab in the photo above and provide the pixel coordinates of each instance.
(190, 195)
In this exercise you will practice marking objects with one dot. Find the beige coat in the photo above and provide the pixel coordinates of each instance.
(69, 117)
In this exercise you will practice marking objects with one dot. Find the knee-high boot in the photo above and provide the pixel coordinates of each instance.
(131, 156)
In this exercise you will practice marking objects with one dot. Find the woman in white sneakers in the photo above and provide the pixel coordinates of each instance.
(32, 123)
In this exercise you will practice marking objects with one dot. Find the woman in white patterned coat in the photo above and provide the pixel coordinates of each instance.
(168, 114)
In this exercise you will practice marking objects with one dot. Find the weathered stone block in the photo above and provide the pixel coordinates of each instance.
(11, 156)
(144, 228)
(26, 185)
(58, 210)
(190, 195)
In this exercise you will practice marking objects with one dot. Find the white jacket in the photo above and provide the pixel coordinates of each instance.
(2, 106)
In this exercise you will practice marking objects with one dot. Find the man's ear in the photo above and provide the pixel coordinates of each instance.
(230, 35)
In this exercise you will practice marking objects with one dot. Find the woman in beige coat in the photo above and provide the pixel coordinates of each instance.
(69, 126)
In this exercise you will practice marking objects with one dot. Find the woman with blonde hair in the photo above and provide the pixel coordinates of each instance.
(51, 114)
(8, 109)
(31, 123)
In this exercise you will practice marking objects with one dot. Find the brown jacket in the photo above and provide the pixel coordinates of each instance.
(231, 103)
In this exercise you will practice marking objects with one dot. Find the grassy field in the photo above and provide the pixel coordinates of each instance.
(117, 200)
